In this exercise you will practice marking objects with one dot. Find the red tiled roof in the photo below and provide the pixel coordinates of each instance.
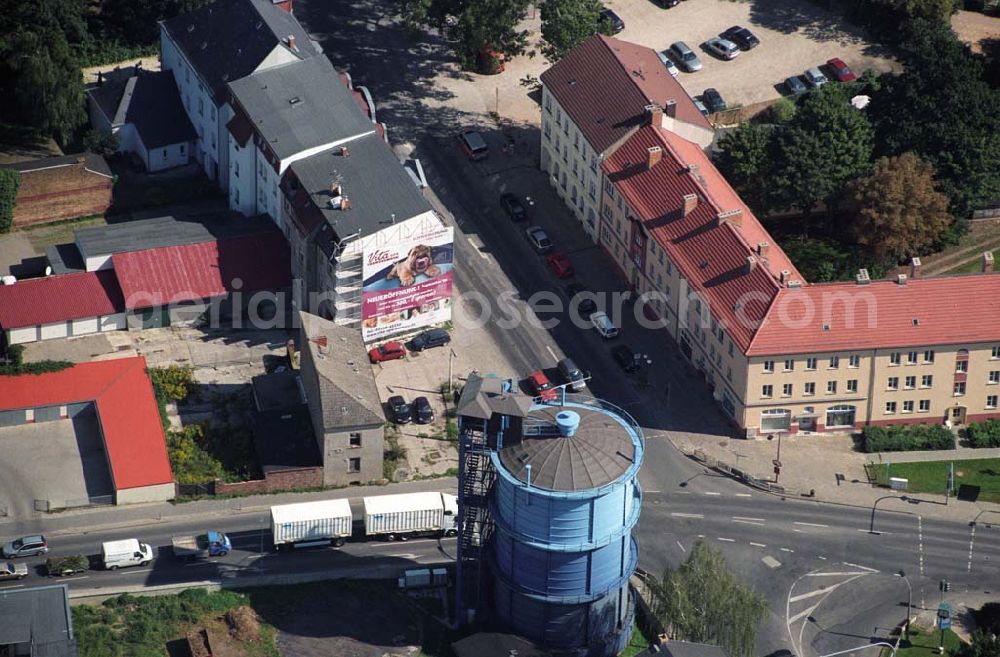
(605, 84)
(175, 274)
(711, 257)
(129, 418)
(59, 298)
(844, 316)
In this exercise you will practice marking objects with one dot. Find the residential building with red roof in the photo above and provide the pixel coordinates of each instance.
(780, 355)
(121, 393)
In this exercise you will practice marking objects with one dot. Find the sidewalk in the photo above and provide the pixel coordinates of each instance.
(829, 466)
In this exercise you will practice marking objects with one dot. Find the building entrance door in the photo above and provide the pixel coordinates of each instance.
(958, 415)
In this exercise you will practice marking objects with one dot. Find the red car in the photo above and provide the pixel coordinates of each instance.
(841, 71)
(541, 386)
(560, 265)
(388, 351)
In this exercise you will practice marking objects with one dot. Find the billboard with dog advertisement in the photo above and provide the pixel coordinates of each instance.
(407, 284)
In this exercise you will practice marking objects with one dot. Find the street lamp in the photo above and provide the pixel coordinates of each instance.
(777, 459)
(871, 527)
(885, 644)
(909, 601)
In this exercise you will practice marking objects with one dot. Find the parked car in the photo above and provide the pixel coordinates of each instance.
(815, 78)
(512, 205)
(387, 351)
(538, 239)
(685, 57)
(607, 15)
(27, 546)
(10, 570)
(742, 37)
(576, 379)
(795, 85)
(723, 48)
(713, 100)
(474, 145)
(605, 327)
(541, 386)
(668, 63)
(428, 339)
(625, 357)
(586, 305)
(399, 411)
(700, 106)
(666, 4)
(64, 566)
(840, 71)
(560, 265)
(422, 411)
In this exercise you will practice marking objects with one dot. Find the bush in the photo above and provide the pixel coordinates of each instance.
(15, 365)
(189, 460)
(984, 434)
(904, 438)
(172, 383)
(9, 182)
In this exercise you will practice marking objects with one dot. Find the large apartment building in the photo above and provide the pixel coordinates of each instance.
(779, 354)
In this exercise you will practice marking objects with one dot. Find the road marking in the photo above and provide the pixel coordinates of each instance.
(798, 531)
(749, 522)
(681, 546)
(727, 540)
(132, 572)
(810, 524)
(712, 492)
(972, 541)
(877, 533)
(838, 574)
(784, 549)
(854, 565)
(743, 495)
(920, 542)
(15, 586)
(687, 515)
(73, 579)
(551, 353)
(771, 562)
(404, 555)
(748, 519)
(803, 613)
(821, 557)
(760, 545)
(812, 594)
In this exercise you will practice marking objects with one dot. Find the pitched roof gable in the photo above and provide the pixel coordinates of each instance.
(59, 298)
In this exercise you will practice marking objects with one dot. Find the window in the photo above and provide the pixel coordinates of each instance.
(236, 168)
(183, 148)
(789, 364)
(911, 358)
(831, 387)
(994, 377)
(991, 401)
(593, 190)
(810, 363)
(236, 196)
(607, 213)
(929, 356)
(354, 465)
(810, 389)
(767, 391)
(548, 103)
(355, 440)
(834, 362)
(854, 361)
(593, 163)
(840, 416)
(962, 366)
(926, 381)
(959, 389)
(548, 130)
(786, 390)
(995, 353)
(925, 406)
(730, 349)
(729, 373)
(768, 365)
(164, 153)
(201, 106)
(609, 189)
(910, 382)
(890, 408)
(892, 383)
(908, 406)
(895, 358)
(775, 419)
(852, 385)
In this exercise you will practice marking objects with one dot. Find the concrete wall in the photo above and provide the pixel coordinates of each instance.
(168, 157)
(61, 193)
(113, 322)
(52, 331)
(58, 330)
(155, 493)
(22, 335)
(84, 326)
(338, 453)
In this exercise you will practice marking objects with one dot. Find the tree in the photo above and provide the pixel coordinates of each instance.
(566, 24)
(744, 159)
(703, 602)
(983, 645)
(9, 182)
(819, 260)
(896, 211)
(102, 143)
(490, 25)
(827, 143)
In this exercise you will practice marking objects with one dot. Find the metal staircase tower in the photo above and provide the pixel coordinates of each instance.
(475, 525)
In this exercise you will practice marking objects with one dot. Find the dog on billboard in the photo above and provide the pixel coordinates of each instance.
(417, 261)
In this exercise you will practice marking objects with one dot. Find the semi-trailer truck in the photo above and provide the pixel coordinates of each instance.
(311, 524)
(401, 516)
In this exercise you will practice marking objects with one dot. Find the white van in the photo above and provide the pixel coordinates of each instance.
(604, 325)
(125, 553)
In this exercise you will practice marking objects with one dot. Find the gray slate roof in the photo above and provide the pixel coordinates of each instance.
(348, 394)
(41, 614)
(109, 92)
(228, 39)
(92, 162)
(371, 177)
(300, 105)
(482, 397)
(155, 110)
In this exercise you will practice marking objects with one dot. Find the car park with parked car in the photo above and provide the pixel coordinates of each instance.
(572, 374)
(668, 63)
(399, 411)
(815, 78)
(428, 339)
(538, 239)
(605, 327)
(606, 15)
(840, 71)
(512, 205)
(742, 37)
(625, 357)
(560, 265)
(713, 101)
(387, 351)
(585, 305)
(474, 145)
(422, 411)
(795, 86)
(685, 57)
(541, 386)
(722, 48)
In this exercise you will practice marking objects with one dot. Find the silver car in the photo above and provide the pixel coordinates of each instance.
(723, 48)
(685, 57)
(10, 570)
(815, 78)
(538, 239)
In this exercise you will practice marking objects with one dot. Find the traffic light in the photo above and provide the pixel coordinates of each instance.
(944, 586)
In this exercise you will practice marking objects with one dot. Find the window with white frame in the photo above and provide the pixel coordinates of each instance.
(810, 363)
(994, 377)
(962, 366)
(831, 387)
(775, 419)
(908, 406)
(834, 362)
(593, 190)
(852, 385)
(890, 407)
(959, 388)
(995, 353)
(895, 358)
(789, 364)
(768, 365)
(927, 380)
(924, 406)
(991, 401)
(548, 103)
(854, 361)
(767, 391)
(730, 348)
(892, 383)
(910, 382)
(786, 389)
(911, 358)
(929, 356)
(840, 416)
(809, 388)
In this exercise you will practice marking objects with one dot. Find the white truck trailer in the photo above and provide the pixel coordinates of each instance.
(392, 517)
(311, 524)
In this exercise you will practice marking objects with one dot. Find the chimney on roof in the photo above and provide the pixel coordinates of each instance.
(654, 115)
(750, 265)
(671, 108)
(785, 276)
(322, 344)
(81, 159)
(734, 217)
(987, 262)
(291, 42)
(345, 204)
(654, 153)
(763, 248)
(344, 152)
(690, 203)
(915, 267)
(863, 278)
(283, 5)
(901, 279)
(335, 189)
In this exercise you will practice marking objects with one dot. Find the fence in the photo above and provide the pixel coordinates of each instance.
(742, 475)
(278, 480)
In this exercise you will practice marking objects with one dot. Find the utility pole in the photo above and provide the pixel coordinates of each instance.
(909, 602)
(451, 355)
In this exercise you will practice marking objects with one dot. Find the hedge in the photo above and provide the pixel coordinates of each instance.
(984, 434)
(10, 180)
(904, 438)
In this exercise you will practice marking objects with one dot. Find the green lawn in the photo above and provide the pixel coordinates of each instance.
(932, 476)
(636, 644)
(973, 265)
(924, 643)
